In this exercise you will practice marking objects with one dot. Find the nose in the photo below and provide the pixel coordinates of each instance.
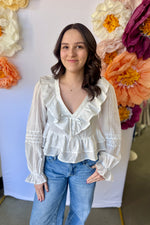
(72, 52)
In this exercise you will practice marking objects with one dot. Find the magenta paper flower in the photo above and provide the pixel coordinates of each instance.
(129, 116)
(136, 36)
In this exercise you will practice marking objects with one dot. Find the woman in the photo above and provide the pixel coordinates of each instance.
(73, 131)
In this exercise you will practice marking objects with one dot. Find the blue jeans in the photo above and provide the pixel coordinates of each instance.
(60, 175)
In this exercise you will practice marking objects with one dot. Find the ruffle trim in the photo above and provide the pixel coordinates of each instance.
(73, 149)
(71, 124)
(104, 172)
(36, 178)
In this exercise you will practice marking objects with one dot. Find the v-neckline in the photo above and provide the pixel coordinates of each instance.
(58, 94)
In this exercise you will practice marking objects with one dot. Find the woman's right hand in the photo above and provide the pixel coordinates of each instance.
(39, 188)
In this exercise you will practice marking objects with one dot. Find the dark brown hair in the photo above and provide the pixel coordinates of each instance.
(93, 64)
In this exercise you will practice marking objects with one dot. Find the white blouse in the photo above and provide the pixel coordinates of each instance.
(92, 132)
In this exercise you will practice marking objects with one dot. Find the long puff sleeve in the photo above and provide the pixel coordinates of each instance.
(33, 142)
(109, 124)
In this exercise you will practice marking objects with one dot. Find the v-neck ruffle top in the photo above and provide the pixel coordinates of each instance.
(92, 132)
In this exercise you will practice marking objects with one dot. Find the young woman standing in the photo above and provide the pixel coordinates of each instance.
(73, 131)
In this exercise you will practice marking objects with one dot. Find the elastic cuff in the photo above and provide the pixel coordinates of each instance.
(36, 178)
(104, 172)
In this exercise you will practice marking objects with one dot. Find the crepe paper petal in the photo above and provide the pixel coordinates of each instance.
(136, 36)
(110, 19)
(132, 4)
(14, 4)
(130, 77)
(9, 32)
(129, 116)
(108, 50)
(9, 75)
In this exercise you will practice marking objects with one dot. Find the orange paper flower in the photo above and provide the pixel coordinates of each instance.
(9, 75)
(130, 77)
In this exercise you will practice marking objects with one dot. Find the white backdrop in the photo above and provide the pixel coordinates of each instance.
(41, 23)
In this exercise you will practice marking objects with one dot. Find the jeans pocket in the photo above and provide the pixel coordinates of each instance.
(89, 164)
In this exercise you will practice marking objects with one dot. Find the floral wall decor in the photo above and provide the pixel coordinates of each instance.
(9, 75)
(9, 32)
(129, 115)
(136, 36)
(130, 77)
(14, 4)
(110, 19)
(132, 4)
(108, 50)
(123, 27)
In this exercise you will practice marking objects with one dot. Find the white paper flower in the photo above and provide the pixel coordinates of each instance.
(14, 4)
(9, 33)
(110, 19)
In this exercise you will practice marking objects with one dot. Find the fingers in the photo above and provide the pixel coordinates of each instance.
(39, 188)
(94, 178)
(46, 186)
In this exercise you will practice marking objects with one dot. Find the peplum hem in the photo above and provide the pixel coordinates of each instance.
(73, 149)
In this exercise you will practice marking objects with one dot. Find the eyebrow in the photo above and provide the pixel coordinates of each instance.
(80, 42)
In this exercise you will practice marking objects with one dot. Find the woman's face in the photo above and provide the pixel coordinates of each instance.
(73, 51)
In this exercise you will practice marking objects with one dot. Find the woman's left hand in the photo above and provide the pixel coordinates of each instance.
(94, 177)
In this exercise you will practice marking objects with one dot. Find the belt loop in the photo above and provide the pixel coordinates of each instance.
(55, 157)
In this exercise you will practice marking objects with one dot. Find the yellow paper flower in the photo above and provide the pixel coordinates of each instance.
(14, 4)
(110, 19)
(9, 33)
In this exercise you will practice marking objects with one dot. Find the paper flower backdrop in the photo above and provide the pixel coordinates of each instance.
(136, 36)
(131, 3)
(129, 116)
(108, 50)
(123, 27)
(130, 77)
(110, 19)
(14, 4)
(9, 32)
(9, 75)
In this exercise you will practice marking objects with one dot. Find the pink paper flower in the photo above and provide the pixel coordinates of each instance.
(108, 50)
(136, 36)
(129, 116)
(131, 3)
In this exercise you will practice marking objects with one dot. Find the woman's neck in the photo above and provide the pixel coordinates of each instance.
(72, 79)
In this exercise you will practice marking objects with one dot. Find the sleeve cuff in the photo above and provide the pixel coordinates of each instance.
(36, 178)
(104, 172)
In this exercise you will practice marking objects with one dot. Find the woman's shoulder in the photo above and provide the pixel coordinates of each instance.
(103, 84)
(46, 86)
(47, 80)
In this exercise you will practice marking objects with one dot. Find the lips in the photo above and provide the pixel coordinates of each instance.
(72, 60)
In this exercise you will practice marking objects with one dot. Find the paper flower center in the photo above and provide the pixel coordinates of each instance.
(125, 113)
(128, 77)
(111, 22)
(109, 57)
(2, 75)
(145, 27)
(1, 32)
